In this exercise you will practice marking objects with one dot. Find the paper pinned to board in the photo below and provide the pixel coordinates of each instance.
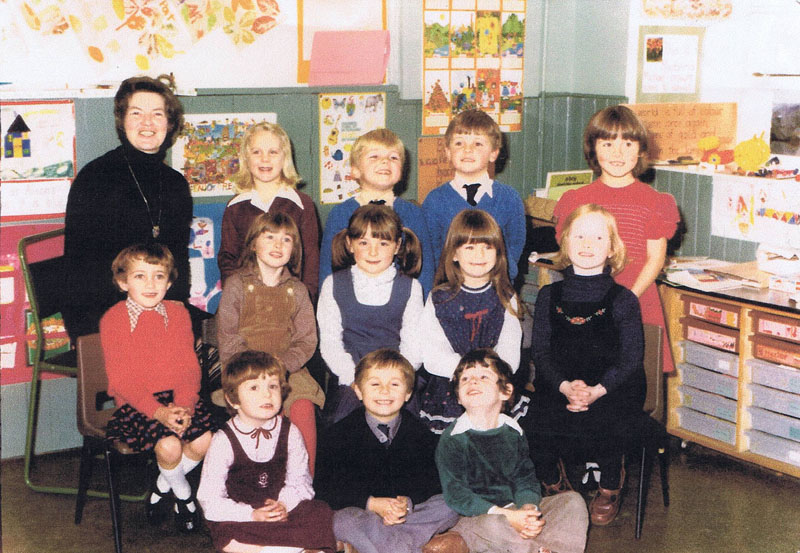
(348, 58)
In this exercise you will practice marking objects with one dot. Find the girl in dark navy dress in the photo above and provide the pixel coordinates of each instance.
(588, 350)
(372, 300)
(472, 305)
(256, 487)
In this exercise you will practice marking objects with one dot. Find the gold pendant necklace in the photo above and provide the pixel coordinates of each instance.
(156, 227)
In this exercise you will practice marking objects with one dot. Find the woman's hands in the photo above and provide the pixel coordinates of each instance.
(579, 395)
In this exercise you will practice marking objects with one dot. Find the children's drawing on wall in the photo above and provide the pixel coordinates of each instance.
(242, 22)
(784, 135)
(207, 151)
(38, 140)
(473, 57)
(681, 9)
(747, 209)
(206, 285)
(342, 119)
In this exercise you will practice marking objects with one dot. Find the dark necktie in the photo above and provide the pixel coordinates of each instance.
(384, 428)
(472, 189)
(378, 202)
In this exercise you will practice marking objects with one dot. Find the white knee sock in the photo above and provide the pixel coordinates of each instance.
(162, 485)
(187, 464)
(177, 480)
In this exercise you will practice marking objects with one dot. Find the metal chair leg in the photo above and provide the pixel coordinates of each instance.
(113, 496)
(663, 458)
(641, 496)
(85, 474)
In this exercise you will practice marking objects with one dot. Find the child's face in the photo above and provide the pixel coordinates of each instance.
(478, 390)
(617, 158)
(145, 283)
(273, 249)
(265, 158)
(372, 255)
(589, 245)
(476, 261)
(259, 399)
(383, 392)
(146, 121)
(470, 154)
(379, 168)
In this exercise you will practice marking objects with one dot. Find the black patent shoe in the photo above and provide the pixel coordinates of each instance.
(185, 520)
(159, 511)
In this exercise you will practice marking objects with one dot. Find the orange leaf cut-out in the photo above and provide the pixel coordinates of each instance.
(96, 54)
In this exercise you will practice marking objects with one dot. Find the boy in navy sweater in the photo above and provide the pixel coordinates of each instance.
(376, 466)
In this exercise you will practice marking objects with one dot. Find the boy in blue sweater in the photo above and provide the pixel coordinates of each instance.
(473, 141)
(376, 162)
(376, 468)
(488, 477)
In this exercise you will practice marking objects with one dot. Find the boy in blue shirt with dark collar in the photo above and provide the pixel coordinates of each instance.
(376, 466)
(473, 141)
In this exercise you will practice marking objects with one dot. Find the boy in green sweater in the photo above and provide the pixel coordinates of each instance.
(488, 477)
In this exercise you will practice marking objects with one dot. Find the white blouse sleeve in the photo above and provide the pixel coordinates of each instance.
(438, 355)
(510, 340)
(331, 340)
(297, 486)
(410, 342)
(212, 493)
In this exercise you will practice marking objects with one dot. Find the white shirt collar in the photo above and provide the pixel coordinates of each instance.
(363, 280)
(463, 423)
(485, 182)
(253, 197)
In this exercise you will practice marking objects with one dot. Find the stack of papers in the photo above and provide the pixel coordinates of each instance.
(701, 273)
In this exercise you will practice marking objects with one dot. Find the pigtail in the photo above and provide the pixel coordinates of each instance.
(341, 258)
(409, 257)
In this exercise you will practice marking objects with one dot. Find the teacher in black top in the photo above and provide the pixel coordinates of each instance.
(127, 196)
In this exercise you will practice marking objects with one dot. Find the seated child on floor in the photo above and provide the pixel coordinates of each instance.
(377, 468)
(154, 378)
(255, 488)
(489, 478)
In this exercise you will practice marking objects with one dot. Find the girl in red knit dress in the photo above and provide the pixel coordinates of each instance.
(615, 146)
(154, 378)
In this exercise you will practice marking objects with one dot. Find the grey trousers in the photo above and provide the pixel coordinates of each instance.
(566, 522)
(365, 530)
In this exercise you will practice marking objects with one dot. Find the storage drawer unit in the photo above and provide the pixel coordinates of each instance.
(710, 358)
(707, 425)
(716, 336)
(775, 376)
(780, 449)
(776, 326)
(775, 423)
(709, 381)
(711, 404)
(711, 311)
(775, 400)
(776, 351)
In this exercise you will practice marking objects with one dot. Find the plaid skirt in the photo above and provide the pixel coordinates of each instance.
(140, 433)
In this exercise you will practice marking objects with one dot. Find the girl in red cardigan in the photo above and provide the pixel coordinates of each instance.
(154, 378)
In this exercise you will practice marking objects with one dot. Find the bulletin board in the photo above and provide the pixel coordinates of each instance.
(673, 129)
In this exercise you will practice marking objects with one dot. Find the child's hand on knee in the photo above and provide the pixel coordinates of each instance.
(526, 521)
(392, 510)
(174, 418)
(272, 511)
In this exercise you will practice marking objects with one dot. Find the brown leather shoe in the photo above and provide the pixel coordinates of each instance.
(561, 486)
(604, 507)
(449, 542)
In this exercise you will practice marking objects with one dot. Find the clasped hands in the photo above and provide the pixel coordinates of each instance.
(177, 419)
(526, 520)
(272, 511)
(579, 395)
(392, 510)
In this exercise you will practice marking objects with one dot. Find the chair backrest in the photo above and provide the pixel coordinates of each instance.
(92, 387)
(654, 403)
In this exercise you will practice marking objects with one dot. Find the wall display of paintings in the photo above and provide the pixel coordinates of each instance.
(473, 53)
(698, 10)
(207, 151)
(342, 119)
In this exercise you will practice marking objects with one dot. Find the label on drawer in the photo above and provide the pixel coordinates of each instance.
(713, 313)
(779, 329)
(713, 339)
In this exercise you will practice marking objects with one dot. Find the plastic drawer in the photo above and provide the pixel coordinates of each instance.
(776, 326)
(710, 358)
(699, 423)
(775, 376)
(711, 311)
(709, 381)
(774, 447)
(711, 404)
(776, 351)
(775, 400)
(775, 423)
(716, 336)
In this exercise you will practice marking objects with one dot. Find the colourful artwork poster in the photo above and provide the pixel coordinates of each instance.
(241, 21)
(342, 119)
(38, 140)
(207, 151)
(757, 210)
(473, 54)
(699, 10)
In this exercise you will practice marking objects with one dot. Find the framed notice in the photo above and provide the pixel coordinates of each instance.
(668, 61)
